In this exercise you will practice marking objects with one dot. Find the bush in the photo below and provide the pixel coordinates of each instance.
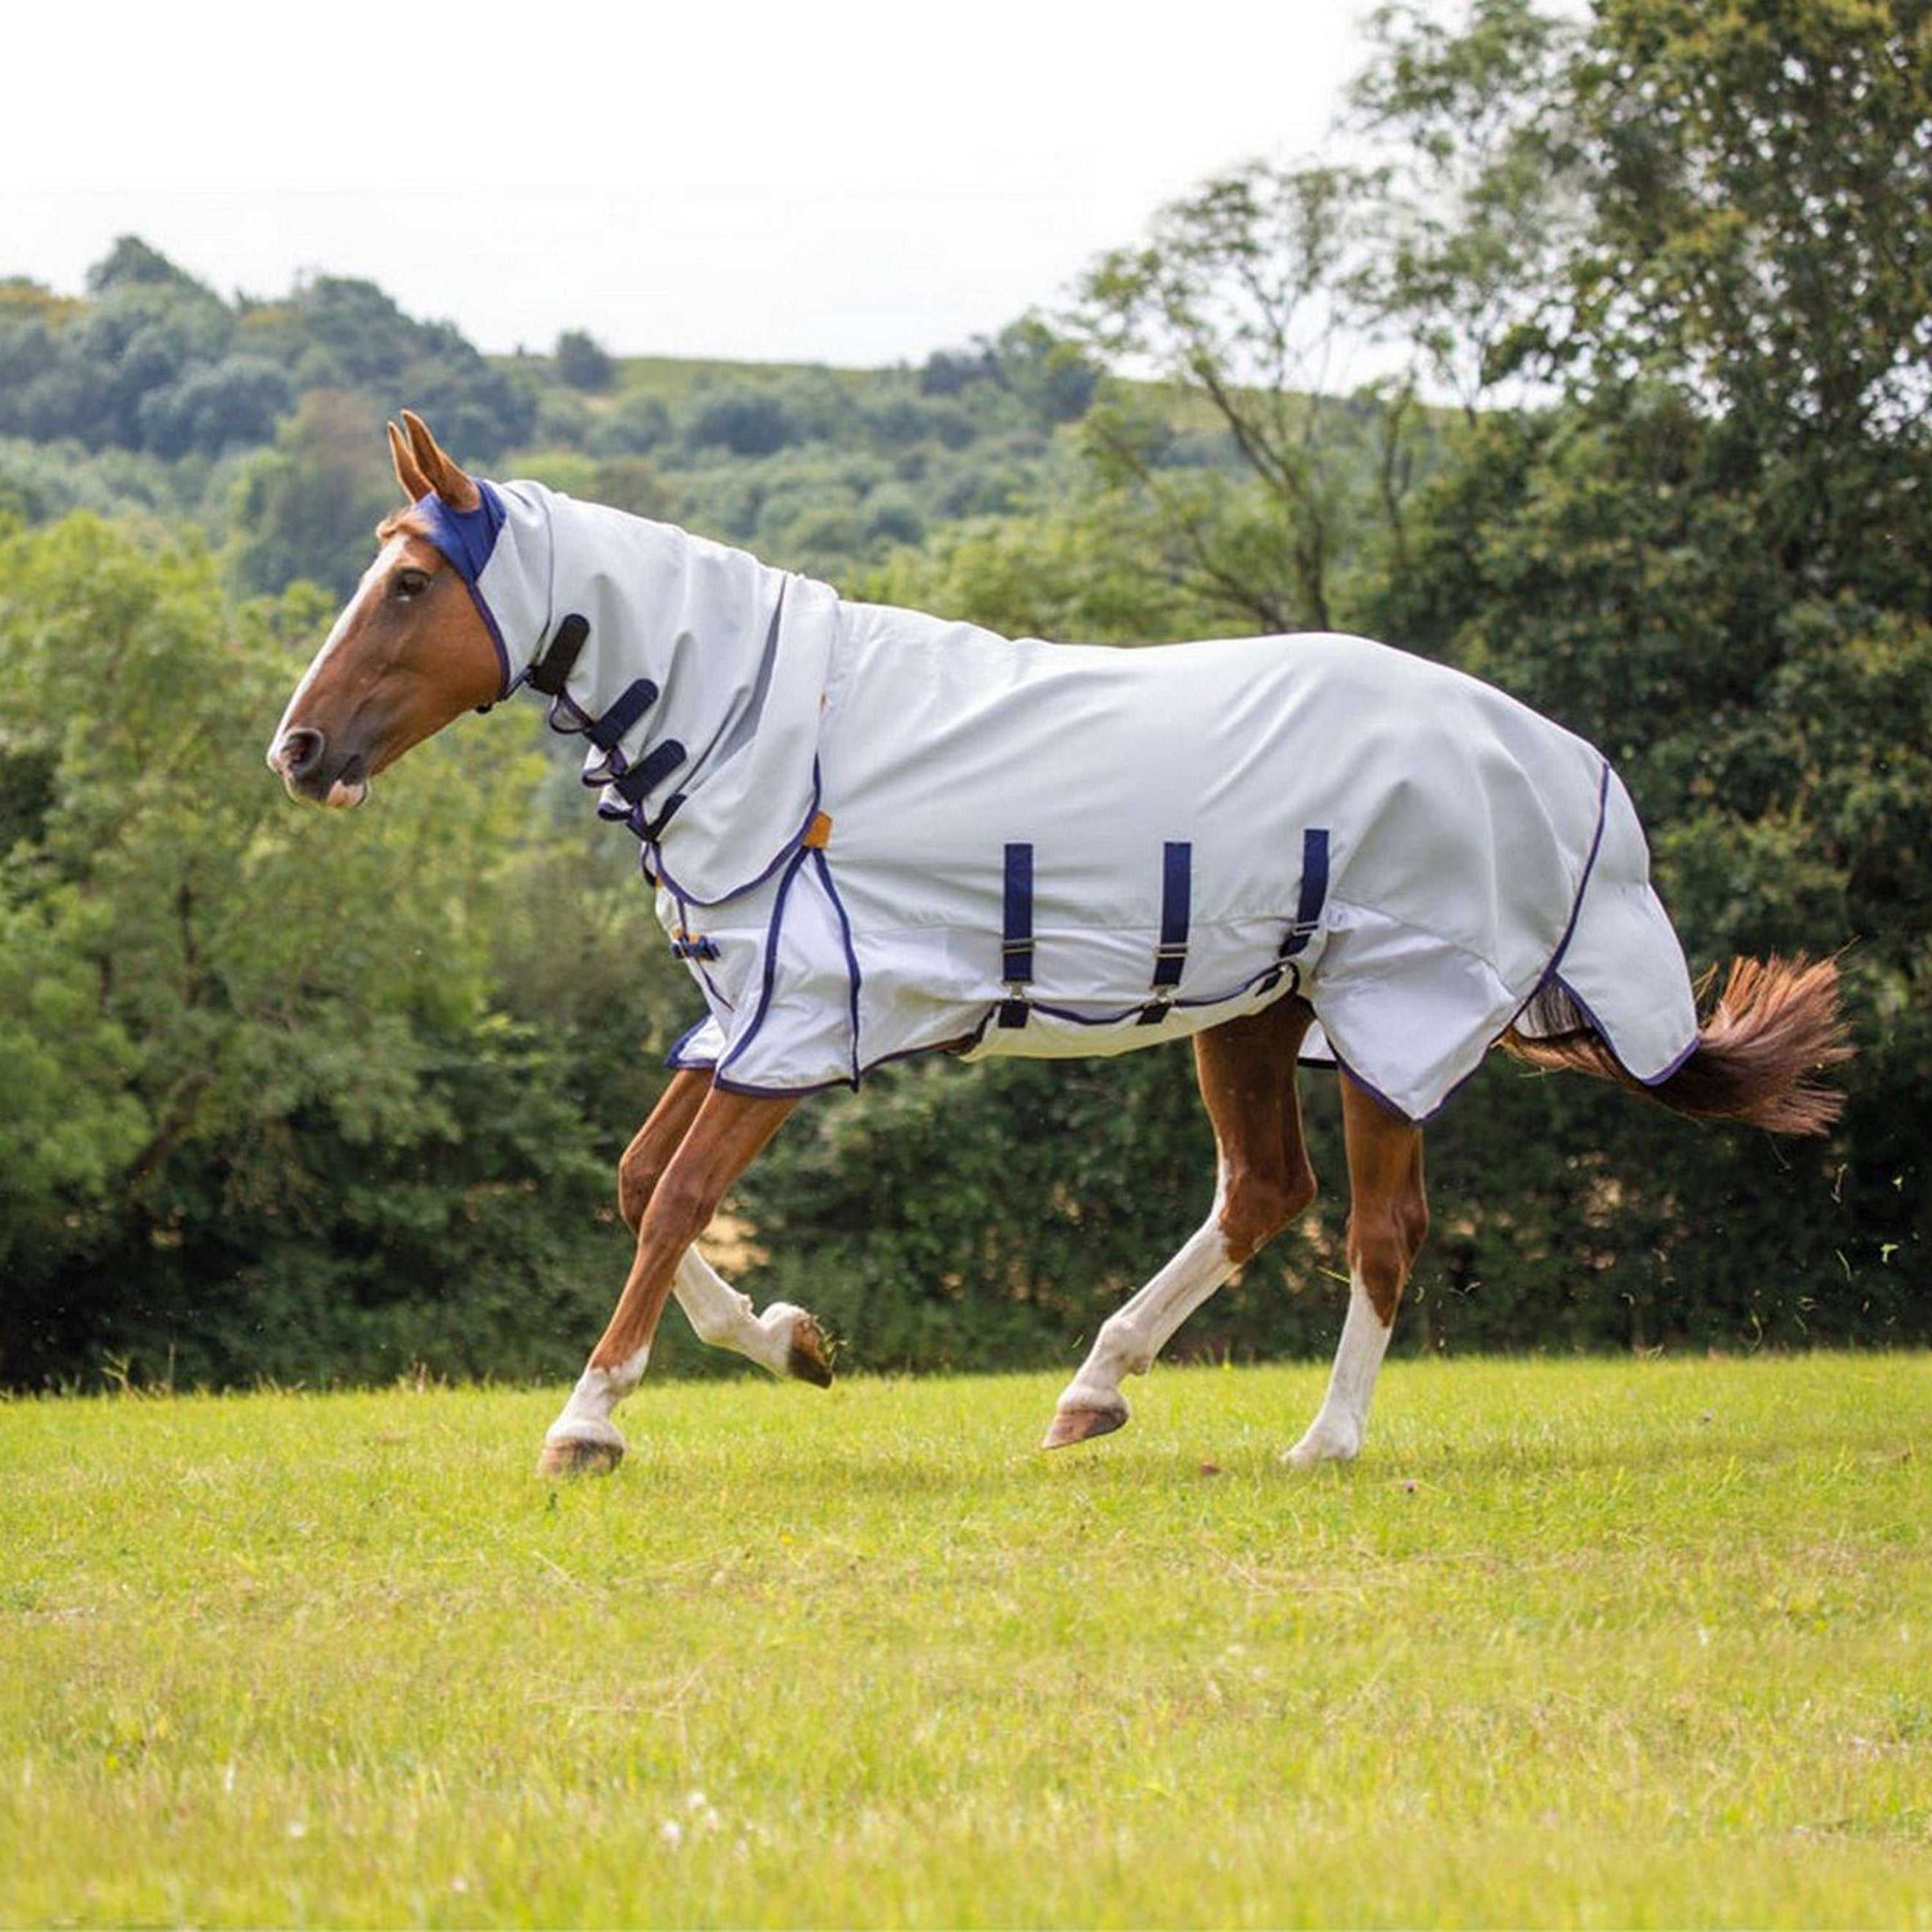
(748, 422)
(583, 363)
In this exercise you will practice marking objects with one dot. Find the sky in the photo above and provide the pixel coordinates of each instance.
(834, 181)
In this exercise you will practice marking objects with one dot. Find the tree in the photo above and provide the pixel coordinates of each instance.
(308, 508)
(582, 362)
(131, 263)
(746, 421)
(1239, 301)
(339, 331)
(1762, 171)
(268, 1112)
(1711, 560)
(635, 425)
(1481, 195)
(1705, 550)
(236, 403)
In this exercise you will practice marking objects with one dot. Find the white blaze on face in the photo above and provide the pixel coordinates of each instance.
(377, 573)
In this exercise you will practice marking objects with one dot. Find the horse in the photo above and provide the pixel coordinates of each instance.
(873, 833)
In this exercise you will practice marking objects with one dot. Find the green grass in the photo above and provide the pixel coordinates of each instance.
(1589, 1643)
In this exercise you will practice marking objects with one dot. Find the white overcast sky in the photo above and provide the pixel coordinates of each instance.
(830, 180)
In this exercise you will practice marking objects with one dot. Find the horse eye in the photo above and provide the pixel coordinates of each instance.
(408, 582)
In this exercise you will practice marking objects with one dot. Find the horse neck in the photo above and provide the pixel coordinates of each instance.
(717, 665)
(651, 591)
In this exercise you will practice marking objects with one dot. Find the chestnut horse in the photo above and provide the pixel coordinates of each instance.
(419, 644)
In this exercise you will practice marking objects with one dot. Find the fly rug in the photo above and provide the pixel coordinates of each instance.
(874, 833)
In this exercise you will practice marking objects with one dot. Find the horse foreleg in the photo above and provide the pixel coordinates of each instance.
(784, 1340)
(1388, 1219)
(1246, 1071)
(726, 1132)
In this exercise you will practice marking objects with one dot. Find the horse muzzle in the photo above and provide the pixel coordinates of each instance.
(301, 757)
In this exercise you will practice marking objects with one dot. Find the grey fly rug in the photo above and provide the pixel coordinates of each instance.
(874, 833)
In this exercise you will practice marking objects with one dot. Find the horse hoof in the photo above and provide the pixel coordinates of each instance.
(1082, 1425)
(1313, 1450)
(808, 1359)
(574, 1456)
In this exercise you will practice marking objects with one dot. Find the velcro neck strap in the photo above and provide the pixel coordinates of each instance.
(558, 658)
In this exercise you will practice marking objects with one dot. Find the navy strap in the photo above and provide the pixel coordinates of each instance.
(650, 771)
(1016, 935)
(1314, 891)
(607, 733)
(551, 671)
(1307, 911)
(1170, 959)
(651, 833)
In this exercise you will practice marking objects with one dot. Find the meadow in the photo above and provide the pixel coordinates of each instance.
(1576, 1642)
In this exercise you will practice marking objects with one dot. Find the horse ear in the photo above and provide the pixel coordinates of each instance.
(413, 484)
(439, 471)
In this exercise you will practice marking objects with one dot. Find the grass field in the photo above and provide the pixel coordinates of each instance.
(1581, 1643)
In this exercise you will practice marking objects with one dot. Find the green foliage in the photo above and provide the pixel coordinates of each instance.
(1479, 192)
(156, 362)
(1237, 299)
(1072, 574)
(280, 1105)
(308, 509)
(1711, 560)
(1684, 240)
(261, 421)
(582, 362)
(751, 422)
(131, 263)
(1758, 165)
(41, 482)
(1049, 375)
(639, 423)
(1030, 1239)
(338, 333)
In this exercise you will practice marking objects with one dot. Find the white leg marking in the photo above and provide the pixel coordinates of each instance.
(722, 1318)
(586, 1417)
(1335, 1434)
(1130, 1339)
(719, 1316)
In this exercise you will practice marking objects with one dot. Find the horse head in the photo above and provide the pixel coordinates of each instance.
(410, 652)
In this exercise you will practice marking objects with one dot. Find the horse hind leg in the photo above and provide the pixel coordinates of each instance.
(1388, 1219)
(1246, 1071)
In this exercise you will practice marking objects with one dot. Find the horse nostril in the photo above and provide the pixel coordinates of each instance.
(299, 752)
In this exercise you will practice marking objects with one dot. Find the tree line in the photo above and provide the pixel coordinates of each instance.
(310, 1099)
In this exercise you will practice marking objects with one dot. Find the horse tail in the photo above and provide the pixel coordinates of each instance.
(1774, 1028)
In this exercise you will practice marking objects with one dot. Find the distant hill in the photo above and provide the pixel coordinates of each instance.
(260, 421)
